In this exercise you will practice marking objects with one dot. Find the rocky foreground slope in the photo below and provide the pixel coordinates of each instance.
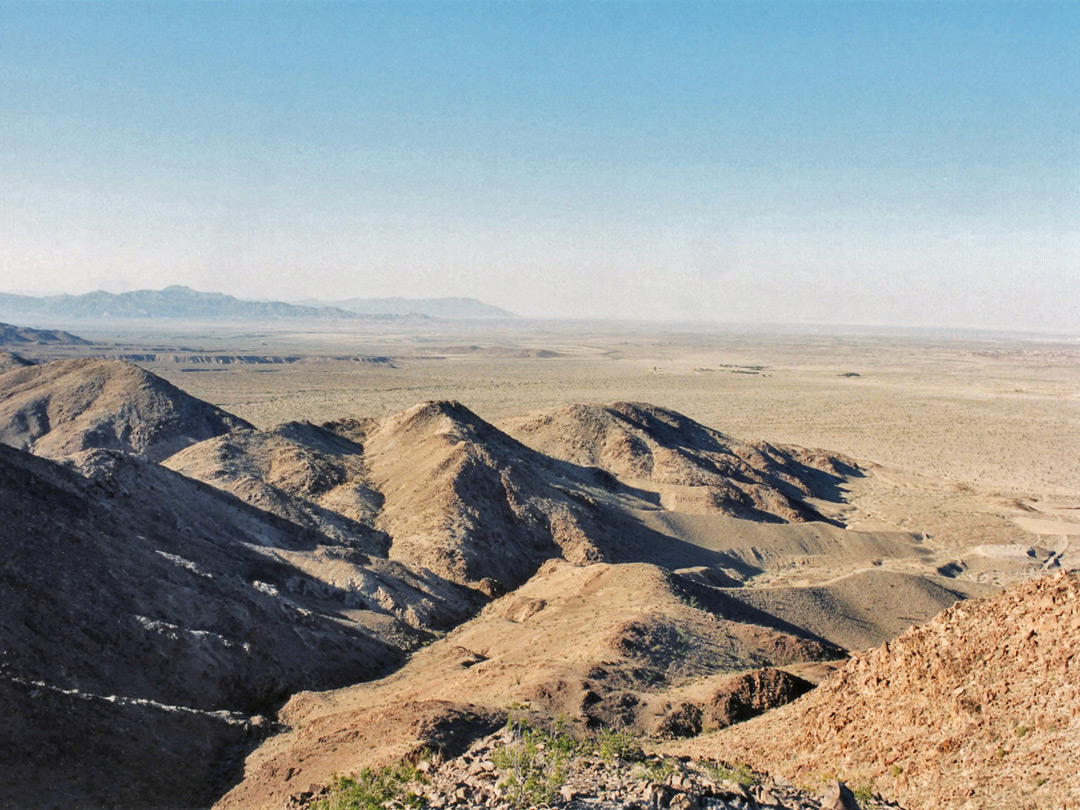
(979, 708)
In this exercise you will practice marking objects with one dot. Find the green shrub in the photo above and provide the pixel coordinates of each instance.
(533, 765)
(741, 773)
(612, 745)
(863, 795)
(657, 770)
(372, 788)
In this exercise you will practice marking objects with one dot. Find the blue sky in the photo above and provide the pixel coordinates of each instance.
(867, 162)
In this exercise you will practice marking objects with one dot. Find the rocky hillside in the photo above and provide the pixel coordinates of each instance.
(975, 709)
(59, 408)
(147, 618)
(302, 472)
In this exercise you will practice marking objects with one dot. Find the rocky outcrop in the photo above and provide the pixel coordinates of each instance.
(592, 773)
(731, 699)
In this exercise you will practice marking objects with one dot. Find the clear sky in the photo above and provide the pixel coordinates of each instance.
(864, 162)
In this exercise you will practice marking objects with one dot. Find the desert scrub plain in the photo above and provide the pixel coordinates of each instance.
(976, 436)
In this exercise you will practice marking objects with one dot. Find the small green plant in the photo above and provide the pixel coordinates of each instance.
(863, 795)
(740, 773)
(372, 788)
(534, 764)
(895, 771)
(612, 745)
(1022, 730)
(656, 770)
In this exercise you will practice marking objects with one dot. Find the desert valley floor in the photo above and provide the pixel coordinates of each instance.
(277, 555)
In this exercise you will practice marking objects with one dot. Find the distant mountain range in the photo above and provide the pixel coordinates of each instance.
(172, 302)
(449, 308)
(184, 302)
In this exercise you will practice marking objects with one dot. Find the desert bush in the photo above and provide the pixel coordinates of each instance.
(374, 789)
(656, 770)
(741, 773)
(611, 745)
(533, 765)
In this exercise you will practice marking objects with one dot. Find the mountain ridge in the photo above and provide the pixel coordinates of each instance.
(176, 301)
(65, 406)
(179, 301)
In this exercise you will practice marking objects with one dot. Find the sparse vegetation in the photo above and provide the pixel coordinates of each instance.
(372, 789)
(741, 773)
(863, 795)
(657, 770)
(534, 765)
(612, 745)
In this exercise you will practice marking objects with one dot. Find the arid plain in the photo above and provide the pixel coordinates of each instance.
(977, 435)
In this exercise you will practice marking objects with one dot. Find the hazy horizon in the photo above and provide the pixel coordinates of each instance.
(879, 164)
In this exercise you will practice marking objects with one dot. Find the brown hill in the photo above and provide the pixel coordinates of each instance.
(10, 360)
(975, 709)
(59, 408)
(454, 494)
(435, 488)
(26, 336)
(146, 618)
(600, 643)
(691, 467)
(469, 502)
